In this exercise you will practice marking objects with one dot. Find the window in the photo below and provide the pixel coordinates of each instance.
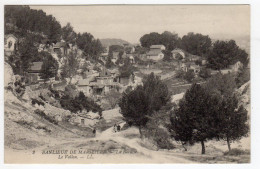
(82, 121)
(10, 43)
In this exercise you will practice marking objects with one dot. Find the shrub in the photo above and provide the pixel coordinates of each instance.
(205, 73)
(43, 115)
(189, 76)
(180, 74)
(237, 152)
(35, 101)
(79, 103)
(163, 140)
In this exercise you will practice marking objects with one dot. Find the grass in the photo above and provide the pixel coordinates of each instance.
(237, 152)
(43, 115)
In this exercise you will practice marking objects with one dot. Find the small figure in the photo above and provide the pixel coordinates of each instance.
(118, 127)
(115, 128)
(94, 132)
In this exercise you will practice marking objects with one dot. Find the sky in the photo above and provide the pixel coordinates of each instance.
(130, 22)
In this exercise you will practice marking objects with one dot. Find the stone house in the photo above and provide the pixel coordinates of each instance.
(178, 53)
(10, 44)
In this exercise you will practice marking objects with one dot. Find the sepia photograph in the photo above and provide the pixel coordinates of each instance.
(121, 84)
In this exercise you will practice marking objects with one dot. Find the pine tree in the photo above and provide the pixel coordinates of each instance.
(193, 121)
(232, 120)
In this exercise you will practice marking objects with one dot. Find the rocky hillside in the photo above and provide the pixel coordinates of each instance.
(244, 96)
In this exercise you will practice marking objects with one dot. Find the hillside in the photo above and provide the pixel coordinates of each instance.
(108, 42)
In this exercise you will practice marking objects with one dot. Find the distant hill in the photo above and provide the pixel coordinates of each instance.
(109, 42)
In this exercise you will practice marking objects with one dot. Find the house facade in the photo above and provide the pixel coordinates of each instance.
(176, 53)
(33, 73)
(155, 52)
(61, 48)
(11, 44)
(235, 67)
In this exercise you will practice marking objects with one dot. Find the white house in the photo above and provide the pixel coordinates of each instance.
(155, 52)
(177, 53)
(161, 47)
(10, 44)
(235, 67)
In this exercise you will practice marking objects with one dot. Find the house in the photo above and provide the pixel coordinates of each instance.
(193, 57)
(161, 47)
(59, 85)
(84, 118)
(33, 73)
(132, 59)
(61, 48)
(105, 51)
(235, 67)
(155, 52)
(204, 62)
(11, 44)
(126, 80)
(115, 56)
(183, 67)
(195, 68)
(98, 85)
(178, 53)
(232, 68)
(84, 86)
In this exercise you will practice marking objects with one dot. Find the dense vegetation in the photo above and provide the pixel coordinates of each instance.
(210, 111)
(79, 103)
(220, 54)
(20, 20)
(137, 105)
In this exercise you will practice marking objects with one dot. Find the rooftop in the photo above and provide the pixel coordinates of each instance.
(36, 66)
(154, 52)
(157, 46)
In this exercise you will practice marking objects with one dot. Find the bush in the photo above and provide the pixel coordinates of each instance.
(42, 114)
(242, 77)
(205, 73)
(79, 103)
(163, 140)
(189, 76)
(35, 101)
(180, 74)
(237, 152)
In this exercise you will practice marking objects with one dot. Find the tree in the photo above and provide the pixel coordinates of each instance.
(232, 120)
(70, 67)
(194, 119)
(49, 67)
(109, 63)
(135, 108)
(167, 56)
(196, 44)
(68, 34)
(168, 39)
(189, 76)
(139, 104)
(26, 52)
(127, 69)
(205, 73)
(225, 53)
(113, 98)
(150, 39)
(91, 47)
(224, 85)
(156, 90)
